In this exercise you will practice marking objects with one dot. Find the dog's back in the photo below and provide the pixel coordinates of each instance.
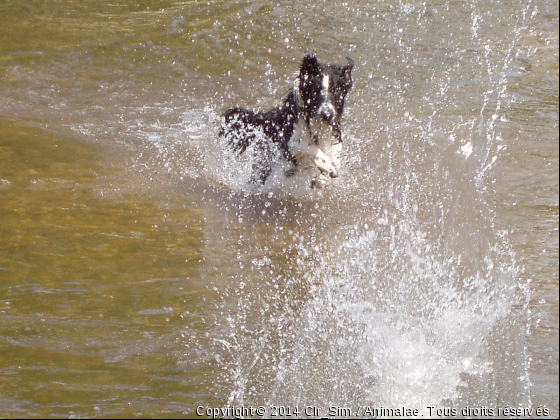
(242, 126)
(266, 130)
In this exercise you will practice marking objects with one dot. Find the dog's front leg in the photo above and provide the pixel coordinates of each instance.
(324, 162)
(335, 153)
(304, 147)
(312, 152)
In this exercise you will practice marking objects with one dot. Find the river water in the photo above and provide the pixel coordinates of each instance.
(140, 275)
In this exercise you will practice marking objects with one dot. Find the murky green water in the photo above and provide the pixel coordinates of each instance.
(137, 278)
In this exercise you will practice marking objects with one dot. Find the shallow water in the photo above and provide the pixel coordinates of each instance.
(141, 276)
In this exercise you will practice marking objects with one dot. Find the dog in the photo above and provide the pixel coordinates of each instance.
(305, 129)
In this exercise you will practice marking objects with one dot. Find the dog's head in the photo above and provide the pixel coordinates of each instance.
(323, 88)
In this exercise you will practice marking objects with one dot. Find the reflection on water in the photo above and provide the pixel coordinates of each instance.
(94, 291)
(140, 277)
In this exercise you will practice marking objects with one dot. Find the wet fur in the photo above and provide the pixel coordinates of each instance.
(306, 128)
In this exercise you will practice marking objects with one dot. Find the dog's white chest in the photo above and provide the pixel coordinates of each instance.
(314, 147)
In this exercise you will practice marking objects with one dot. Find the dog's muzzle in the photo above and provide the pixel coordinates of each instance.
(327, 113)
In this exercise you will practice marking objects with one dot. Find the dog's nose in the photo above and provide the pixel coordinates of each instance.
(327, 112)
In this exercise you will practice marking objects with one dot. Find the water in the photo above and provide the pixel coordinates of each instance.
(141, 276)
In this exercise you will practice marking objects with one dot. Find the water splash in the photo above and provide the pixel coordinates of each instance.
(414, 298)
(391, 287)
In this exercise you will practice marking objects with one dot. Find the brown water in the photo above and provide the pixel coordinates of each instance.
(141, 276)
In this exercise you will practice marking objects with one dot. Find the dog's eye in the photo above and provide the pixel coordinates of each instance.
(309, 78)
(340, 90)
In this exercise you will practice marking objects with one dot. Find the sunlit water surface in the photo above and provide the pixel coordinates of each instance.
(140, 275)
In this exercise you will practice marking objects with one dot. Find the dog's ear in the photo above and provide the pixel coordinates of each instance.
(347, 73)
(309, 65)
(350, 65)
(348, 69)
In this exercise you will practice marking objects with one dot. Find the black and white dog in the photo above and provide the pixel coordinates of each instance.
(306, 128)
